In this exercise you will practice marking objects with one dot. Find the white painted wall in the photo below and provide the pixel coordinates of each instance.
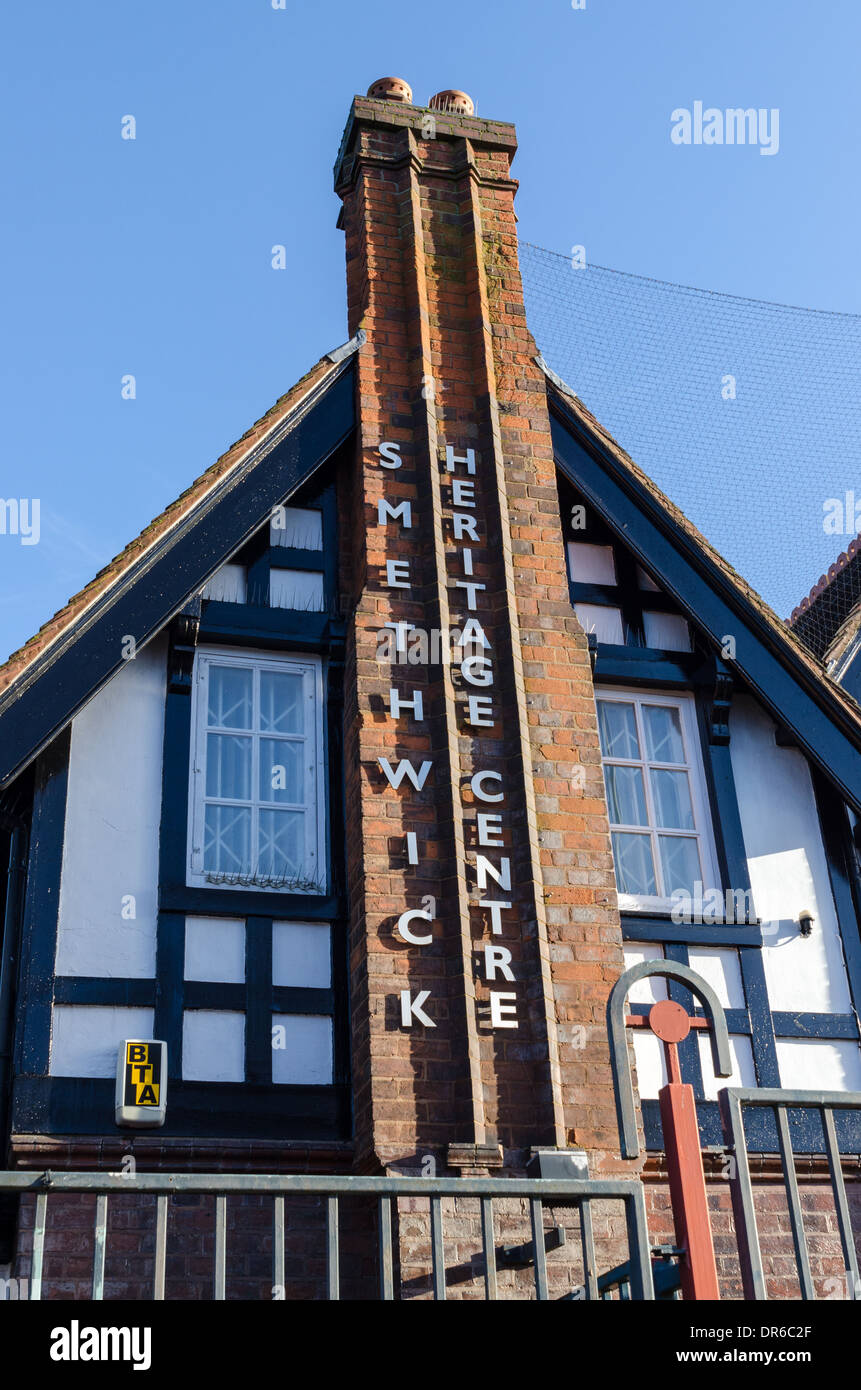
(213, 1045)
(719, 967)
(302, 590)
(85, 1038)
(606, 623)
(298, 527)
(215, 949)
(227, 585)
(788, 868)
(301, 954)
(743, 1070)
(819, 1066)
(305, 1059)
(110, 851)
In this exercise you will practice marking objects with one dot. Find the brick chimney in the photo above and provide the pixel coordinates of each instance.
(484, 931)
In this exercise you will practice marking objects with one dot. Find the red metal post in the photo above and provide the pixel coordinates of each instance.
(691, 1218)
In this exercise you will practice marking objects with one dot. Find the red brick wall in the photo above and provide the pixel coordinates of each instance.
(775, 1234)
(433, 281)
(191, 1245)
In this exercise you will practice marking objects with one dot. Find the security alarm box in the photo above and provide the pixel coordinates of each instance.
(141, 1097)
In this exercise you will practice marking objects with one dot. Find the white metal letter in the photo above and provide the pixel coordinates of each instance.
(405, 769)
(502, 876)
(411, 1008)
(403, 927)
(498, 1009)
(489, 825)
(397, 703)
(390, 455)
(497, 958)
(386, 512)
(451, 458)
(477, 790)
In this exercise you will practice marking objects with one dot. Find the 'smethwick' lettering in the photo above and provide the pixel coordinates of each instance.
(474, 659)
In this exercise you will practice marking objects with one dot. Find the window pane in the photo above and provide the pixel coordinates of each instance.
(626, 795)
(672, 798)
(635, 872)
(281, 702)
(664, 734)
(227, 840)
(282, 844)
(680, 862)
(228, 766)
(230, 697)
(281, 770)
(618, 729)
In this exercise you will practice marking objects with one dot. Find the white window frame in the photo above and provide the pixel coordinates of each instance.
(684, 702)
(315, 804)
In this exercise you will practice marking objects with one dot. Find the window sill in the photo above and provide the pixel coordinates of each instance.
(656, 926)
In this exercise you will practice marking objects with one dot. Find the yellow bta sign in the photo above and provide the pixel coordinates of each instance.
(143, 1073)
(141, 1083)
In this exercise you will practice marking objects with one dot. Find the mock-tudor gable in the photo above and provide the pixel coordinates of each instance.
(357, 779)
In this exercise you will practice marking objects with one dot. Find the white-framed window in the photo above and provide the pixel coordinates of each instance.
(256, 782)
(656, 797)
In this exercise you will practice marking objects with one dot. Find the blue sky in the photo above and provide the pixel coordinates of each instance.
(152, 256)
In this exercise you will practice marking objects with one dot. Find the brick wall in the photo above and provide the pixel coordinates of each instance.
(819, 1217)
(129, 1263)
(433, 281)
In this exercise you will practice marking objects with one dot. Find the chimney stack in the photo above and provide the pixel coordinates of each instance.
(485, 937)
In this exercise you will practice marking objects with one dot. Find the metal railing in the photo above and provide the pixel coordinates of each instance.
(385, 1190)
(732, 1101)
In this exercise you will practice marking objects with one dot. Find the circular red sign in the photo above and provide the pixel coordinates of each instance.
(669, 1021)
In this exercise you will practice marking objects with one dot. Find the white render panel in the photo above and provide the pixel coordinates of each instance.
(301, 590)
(113, 809)
(818, 1065)
(653, 988)
(215, 949)
(213, 1045)
(788, 869)
(667, 632)
(305, 1058)
(227, 585)
(301, 954)
(651, 1063)
(743, 1072)
(719, 967)
(606, 623)
(591, 564)
(85, 1038)
(301, 528)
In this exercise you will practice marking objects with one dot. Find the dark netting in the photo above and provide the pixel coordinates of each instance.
(747, 414)
(822, 618)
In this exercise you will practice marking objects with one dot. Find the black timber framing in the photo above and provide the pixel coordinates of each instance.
(236, 1110)
(173, 568)
(816, 723)
(289, 632)
(761, 1129)
(41, 904)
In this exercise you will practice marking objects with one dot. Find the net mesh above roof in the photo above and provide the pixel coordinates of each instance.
(746, 413)
(822, 619)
